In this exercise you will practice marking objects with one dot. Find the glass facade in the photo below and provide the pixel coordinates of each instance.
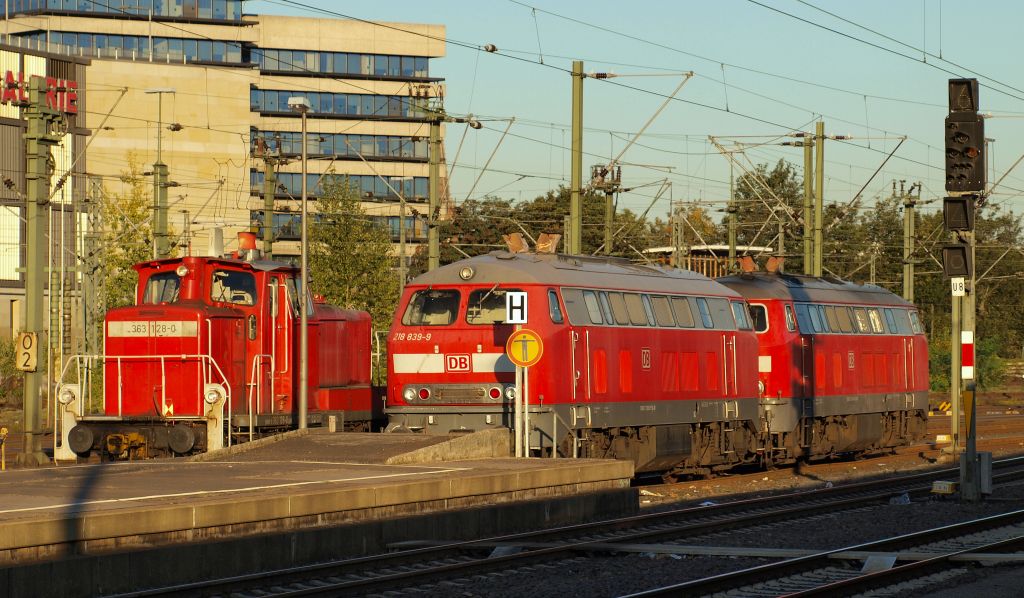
(288, 226)
(342, 63)
(388, 147)
(215, 10)
(339, 104)
(136, 47)
(367, 186)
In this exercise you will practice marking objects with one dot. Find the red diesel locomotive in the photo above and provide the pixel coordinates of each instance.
(662, 367)
(842, 367)
(209, 355)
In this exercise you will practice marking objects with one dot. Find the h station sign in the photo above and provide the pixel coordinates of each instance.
(61, 94)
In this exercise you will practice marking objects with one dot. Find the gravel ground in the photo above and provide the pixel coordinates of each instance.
(606, 575)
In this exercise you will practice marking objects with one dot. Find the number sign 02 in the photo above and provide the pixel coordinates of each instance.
(27, 356)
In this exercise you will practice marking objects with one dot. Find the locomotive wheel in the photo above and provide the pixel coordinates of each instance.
(80, 440)
(181, 439)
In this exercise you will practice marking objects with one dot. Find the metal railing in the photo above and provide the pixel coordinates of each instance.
(87, 369)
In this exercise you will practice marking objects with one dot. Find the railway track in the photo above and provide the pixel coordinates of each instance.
(425, 565)
(830, 573)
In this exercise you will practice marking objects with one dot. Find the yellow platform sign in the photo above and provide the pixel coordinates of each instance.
(524, 347)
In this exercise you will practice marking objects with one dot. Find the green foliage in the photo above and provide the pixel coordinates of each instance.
(350, 258)
(11, 379)
(126, 238)
(989, 367)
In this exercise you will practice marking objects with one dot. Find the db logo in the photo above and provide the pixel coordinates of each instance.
(645, 358)
(456, 363)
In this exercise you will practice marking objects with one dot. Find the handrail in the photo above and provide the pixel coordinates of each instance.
(255, 386)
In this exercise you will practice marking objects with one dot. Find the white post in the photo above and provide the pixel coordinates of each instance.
(518, 412)
(526, 412)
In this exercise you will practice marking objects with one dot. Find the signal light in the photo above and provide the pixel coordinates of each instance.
(958, 212)
(424, 393)
(956, 261)
(965, 156)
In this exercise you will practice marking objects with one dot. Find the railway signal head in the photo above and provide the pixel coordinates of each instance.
(958, 212)
(956, 261)
(965, 138)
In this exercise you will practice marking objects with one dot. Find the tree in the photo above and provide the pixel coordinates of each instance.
(758, 209)
(350, 257)
(126, 237)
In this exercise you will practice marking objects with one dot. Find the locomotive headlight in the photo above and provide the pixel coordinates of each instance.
(181, 271)
(510, 392)
(213, 393)
(760, 387)
(466, 272)
(409, 394)
(67, 394)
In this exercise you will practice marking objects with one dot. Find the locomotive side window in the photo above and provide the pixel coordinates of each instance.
(790, 319)
(803, 318)
(619, 308)
(823, 318)
(890, 319)
(816, 324)
(684, 315)
(845, 323)
(606, 308)
(862, 320)
(554, 309)
(577, 308)
(739, 311)
(649, 311)
(663, 310)
(759, 314)
(915, 323)
(593, 308)
(875, 319)
(635, 308)
(432, 308)
(487, 306)
(233, 286)
(721, 314)
(162, 287)
(833, 318)
(705, 312)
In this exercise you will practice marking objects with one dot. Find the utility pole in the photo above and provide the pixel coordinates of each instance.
(566, 227)
(433, 234)
(161, 246)
(733, 223)
(782, 239)
(909, 202)
(819, 195)
(608, 180)
(808, 206)
(39, 138)
(271, 158)
(92, 292)
(576, 173)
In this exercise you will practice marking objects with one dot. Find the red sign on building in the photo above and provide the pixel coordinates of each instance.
(61, 94)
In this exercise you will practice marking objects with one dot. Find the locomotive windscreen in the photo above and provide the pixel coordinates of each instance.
(432, 308)
(162, 287)
(487, 306)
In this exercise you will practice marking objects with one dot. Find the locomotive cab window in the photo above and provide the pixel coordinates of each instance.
(845, 323)
(619, 308)
(759, 315)
(635, 307)
(162, 287)
(915, 323)
(487, 306)
(593, 307)
(721, 314)
(554, 309)
(705, 312)
(233, 286)
(833, 318)
(432, 308)
(790, 319)
(739, 311)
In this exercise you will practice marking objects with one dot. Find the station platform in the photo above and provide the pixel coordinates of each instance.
(302, 498)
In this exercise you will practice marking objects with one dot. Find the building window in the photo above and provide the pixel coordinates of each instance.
(343, 63)
(367, 187)
(339, 104)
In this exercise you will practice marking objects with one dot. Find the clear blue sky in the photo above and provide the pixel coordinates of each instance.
(877, 96)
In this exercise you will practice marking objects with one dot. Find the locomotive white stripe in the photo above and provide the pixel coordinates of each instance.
(146, 328)
(433, 363)
(418, 363)
(492, 362)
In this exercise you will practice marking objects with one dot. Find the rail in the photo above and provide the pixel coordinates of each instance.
(255, 389)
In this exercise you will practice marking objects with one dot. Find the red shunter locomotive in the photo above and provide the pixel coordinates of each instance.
(208, 355)
(667, 368)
